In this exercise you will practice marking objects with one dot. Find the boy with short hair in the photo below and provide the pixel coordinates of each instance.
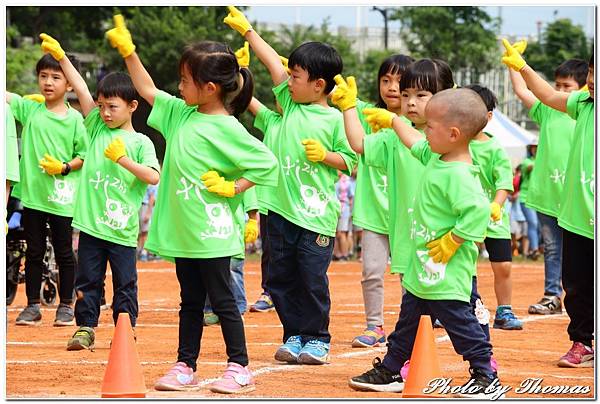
(303, 210)
(120, 164)
(450, 214)
(53, 138)
(547, 178)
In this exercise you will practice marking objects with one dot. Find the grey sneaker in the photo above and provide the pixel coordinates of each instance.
(31, 315)
(547, 305)
(82, 339)
(64, 316)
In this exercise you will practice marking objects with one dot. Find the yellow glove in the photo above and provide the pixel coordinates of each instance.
(251, 231)
(378, 118)
(496, 211)
(35, 97)
(284, 62)
(585, 88)
(442, 249)
(217, 184)
(314, 150)
(512, 57)
(51, 165)
(116, 149)
(237, 20)
(120, 37)
(243, 55)
(51, 46)
(345, 92)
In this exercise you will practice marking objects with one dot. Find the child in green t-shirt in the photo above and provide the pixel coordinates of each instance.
(303, 209)
(11, 151)
(497, 182)
(450, 213)
(53, 138)
(546, 185)
(576, 213)
(210, 159)
(120, 164)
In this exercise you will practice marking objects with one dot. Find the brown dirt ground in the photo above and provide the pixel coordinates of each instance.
(38, 365)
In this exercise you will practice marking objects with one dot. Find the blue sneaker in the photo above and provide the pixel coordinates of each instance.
(289, 351)
(506, 319)
(263, 304)
(314, 352)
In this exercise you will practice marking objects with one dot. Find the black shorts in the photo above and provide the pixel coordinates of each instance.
(499, 249)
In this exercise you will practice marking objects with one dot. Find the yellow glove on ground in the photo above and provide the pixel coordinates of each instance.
(51, 165)
(314, 150)
(35, 97)
(120, 37)
(237, 20)
(496, 211)
(442, 249)
(51, 46)
(251, 231)
(345, 92)
(512, 57)
(217, 184)
(243, 55)
(116, 149)
(378, 118)
(284, 62)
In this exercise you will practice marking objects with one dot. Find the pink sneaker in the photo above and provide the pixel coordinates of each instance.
(236, 379)
(180, 377)
(579, 356)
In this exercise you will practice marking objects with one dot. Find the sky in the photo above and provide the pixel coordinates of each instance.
(517, 20)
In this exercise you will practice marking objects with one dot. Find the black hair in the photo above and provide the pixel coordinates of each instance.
(320, 60)
(487, 95)
(117, 84)
(48, 62)
(215, 62)
(591, 62)
(431, 75)
(575, 68)
(395, 64)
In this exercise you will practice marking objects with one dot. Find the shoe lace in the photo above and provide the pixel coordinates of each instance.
(265, 298)
(82, 333)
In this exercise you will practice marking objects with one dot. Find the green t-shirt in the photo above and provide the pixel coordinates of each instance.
(268, 122)
(188, 221)
(526, 164)
(249, 202)
(370, 209)
(62, 137)
(385, 150)
(109, 197)
(548, 176)
(577, 202)
(449, 197)
(12, 149)
(306, 192)
(496, 174)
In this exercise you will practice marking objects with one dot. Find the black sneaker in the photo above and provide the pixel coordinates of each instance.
(31, 315)
(378, 379)
(477, 384)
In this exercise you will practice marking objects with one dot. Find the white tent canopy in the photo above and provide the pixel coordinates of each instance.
(510, 135)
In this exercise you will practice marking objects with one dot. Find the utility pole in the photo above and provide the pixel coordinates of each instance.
(384, 13)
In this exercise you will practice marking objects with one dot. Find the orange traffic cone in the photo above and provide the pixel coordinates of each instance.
(123, 376)
(424, 362)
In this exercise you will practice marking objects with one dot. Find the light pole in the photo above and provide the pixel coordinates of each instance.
(384, 13)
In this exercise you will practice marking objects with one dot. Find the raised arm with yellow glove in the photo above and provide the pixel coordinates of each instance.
(51, 46)
(496, 210)
(251, 231)
(116, 149)
(237, 20)
(120, 37)
(512, 58)
(217, 184)
(442, 249)
(51, 165)
(378, 118)
(345, 92)
(314, 150)
(243, 55)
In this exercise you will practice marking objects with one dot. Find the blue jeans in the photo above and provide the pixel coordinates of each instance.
(297, 281)
(532, 227)
(552, 235)
(94, 253)
(236, 268)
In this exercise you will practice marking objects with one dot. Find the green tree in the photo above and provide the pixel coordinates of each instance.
(20, 64)
(463, 36)
(561, 40)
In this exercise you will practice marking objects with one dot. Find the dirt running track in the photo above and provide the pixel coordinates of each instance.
(38, 365)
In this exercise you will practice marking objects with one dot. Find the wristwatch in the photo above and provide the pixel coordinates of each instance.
(67, 169)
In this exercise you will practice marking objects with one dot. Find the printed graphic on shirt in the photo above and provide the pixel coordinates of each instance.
(116, 213)
(384, 184)
(432, 272)
(63, 191)
(314, 201)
